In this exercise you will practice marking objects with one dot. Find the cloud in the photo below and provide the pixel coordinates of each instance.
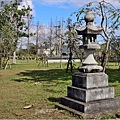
(24, 2)
(73, 3)
(27, 3)
(59, 3)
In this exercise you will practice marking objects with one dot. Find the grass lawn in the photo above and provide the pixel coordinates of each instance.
(27, 84)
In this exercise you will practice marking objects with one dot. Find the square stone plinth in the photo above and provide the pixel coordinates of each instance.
(89, 80)
(87, 95)
(89, 107)
(90, 96)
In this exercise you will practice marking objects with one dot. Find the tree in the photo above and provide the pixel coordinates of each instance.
(29, 17)
(115, 47)
(71, 41)
(110, 17)
(32, 48)
(12, 25)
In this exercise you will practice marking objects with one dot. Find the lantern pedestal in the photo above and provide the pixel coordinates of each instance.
(90, 64)
(90, 96)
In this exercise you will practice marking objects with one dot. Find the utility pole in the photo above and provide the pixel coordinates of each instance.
(29, 17)
(50, 35)
(60, 35)
(37, 37)
(60, 30)
(28, 33)
(56, 32)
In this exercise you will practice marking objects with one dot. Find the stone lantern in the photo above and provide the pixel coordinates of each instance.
(89, 95)
(89, 34)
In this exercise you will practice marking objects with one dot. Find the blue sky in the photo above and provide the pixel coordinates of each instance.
(44, 14)
(45, 10)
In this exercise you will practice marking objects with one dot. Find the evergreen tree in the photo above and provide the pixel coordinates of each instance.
(12, 26)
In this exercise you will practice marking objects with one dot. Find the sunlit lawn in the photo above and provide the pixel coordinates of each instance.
(27, 84)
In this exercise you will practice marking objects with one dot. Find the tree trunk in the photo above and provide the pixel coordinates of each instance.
(105, 54)
(7, 61)
(119, 68)
(6, 64)
(104, 60)
(14, 58)
(118, 63)
(70, 62)
(0, 61)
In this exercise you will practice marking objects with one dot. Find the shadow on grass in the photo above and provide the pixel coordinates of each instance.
(53, 99)
(59, 74)
(44, 75)
(113, 75)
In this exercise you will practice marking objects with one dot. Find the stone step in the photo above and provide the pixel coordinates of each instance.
(91, 115)
(89, 80)
(87, 95)
(95, 106)
(63, 107)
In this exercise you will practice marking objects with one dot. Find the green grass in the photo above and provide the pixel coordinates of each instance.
(114, 78)
(27, 84)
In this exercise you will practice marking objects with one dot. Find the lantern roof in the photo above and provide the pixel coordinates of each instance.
(89, 28)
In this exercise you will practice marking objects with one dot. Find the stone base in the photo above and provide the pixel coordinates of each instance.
(89, 80)
(91, 107)
(87, 95)
(90, 96)
(91, 115)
